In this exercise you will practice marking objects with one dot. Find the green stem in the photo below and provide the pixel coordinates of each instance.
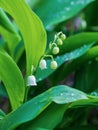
(26, 93)
(48, 56)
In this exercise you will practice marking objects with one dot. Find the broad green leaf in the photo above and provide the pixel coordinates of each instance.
(76, 63)
(12, 78)
(9, 32)
(3, 92)
(11, 39)
(41, 74)
(87, 127)
(86, 78)
(78, 40)
(91, 101)
(2, 114)
(53, 114)
(5, 22)
(2, 41)
(55, 11)
(19, 51)
(89, 15)
(31, 109)
(37, 128)
(31, 28)
(32, 3)
(48, 119)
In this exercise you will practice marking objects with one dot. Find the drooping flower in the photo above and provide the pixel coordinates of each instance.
(55, 50)
(59, 41)
(43, 64)
(53, 65)
(63, 36)
(31, 81)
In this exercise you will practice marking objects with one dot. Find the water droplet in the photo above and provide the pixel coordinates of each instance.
(63, 16)
(66, 59)
(72, 94)
(94, 93)
(40, 79)
(84, 46)
(78, 54)
(57, 58)
(72, 3)
(59, 1)
(61, 94)
(71, 54)
(80, 2)
(67, 8)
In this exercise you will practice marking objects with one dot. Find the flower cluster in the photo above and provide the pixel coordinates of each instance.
(58, 41)
(54, 47)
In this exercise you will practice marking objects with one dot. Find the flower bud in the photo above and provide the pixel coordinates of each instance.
(42, 64)
(50, 46)
(53, 65)
(63, 36)
(55, 50)
(31, 80)
(59, 41)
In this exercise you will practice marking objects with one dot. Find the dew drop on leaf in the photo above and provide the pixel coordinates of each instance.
(67, 9)
(72, 3)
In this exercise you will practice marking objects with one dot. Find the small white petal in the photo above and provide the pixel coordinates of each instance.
(31, 80)
(43, 64)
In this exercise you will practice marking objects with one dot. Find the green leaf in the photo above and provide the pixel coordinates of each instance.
(12, 79)
(31, 109)
(3, 92)
(87, 127)
(5, 22)
(53, 114)
(9, 32)
(32, 3)
(2, 114)
(19, 51)
(12, 40)
(76, 63)
(48, 119)
(78, 40)
(41, 74)
(86, 80)
(37, 128)
(55, 11)
(2, 41)
(31, 28)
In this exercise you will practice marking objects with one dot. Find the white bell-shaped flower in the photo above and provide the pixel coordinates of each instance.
(43, 64)
(31, 81)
